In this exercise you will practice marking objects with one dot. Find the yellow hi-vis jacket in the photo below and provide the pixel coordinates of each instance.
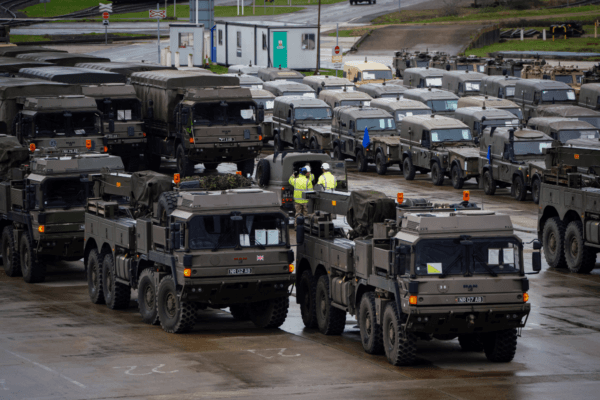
(301, 184)
(327, 180)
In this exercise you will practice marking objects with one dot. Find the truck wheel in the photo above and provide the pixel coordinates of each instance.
(580, 258)
(331, 320)
(381, 163)
(132, 164)
(553, 234)
(185, 166)
(10, 255)
(278, 144)
(241, 312)
(306, 292)
(94, 277)
(408, 169)
(518, 188)
(246, 167)
(147, 297)
(362, 161)
(116, 295)
(489, 183)
(263, 173)
(500, 346)
(175, 316)
(470, 342)
(210, 166)
(152, 160)
(270, 314)
(457, 181)
(370, 331)
(535, 190)
(337, 153)
(167, 203)
(400, 348)
(33, 270)
(437, 176)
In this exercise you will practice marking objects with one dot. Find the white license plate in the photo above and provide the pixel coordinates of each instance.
(69, 151)
(239, 271)
(227, 139)
(471, 299)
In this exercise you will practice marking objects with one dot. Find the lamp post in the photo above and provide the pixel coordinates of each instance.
(318, 40)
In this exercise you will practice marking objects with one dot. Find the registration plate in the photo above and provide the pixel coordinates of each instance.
(471, 299)
(69, 151)
(239, 271)
(226, 139)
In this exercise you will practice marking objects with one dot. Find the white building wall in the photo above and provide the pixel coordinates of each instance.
(220, 46)
(197, 50)
(262, 57)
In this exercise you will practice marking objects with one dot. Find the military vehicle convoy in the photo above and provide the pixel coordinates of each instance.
(412, 270)
(42, 209)
(198, 118)
(185, 248)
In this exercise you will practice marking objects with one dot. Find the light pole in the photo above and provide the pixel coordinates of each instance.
(318, 40)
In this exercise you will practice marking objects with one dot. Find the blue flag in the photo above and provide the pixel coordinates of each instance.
(489, 155)
(366, 139)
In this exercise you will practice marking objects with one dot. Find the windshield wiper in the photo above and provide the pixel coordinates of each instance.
(451, 266)
(222, 239)
(491, 271)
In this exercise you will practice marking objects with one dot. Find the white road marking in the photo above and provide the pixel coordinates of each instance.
(154, 370)
(74, 382)
(281, 351)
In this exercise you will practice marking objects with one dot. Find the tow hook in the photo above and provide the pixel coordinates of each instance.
(471, 320)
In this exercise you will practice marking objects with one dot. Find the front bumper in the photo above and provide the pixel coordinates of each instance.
(68, 245)
(224, 152)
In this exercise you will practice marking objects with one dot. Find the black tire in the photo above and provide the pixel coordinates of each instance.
(400, 349)
(270, 314)
(362, 163)
(536, 186)
(240, 312)
(277, 143)
(306, 292)
(147, 291)
(519, 189)
(337, 153)
(175, 316)
(381, 163)
(298, 144)
(579, 257)
(457, 180)
(553, 242)
(331, 320)
(470, 342)
(116, 294)
(314, 145)
(263, 173)
(132, 164)
(167, 202)
(437, 175)
(246, 167)
(489, 183)
(408, 169)
(10, 255)
(210, 166)
(33, 271)
(94, 277)
(371, 334)
(500, 346)
(152, 161)
(185, 166)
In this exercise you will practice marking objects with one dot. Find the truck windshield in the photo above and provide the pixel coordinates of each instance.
(375, 124)
(210, 231)
(592, 120)
(549, 96)
(310, 95)
(355, 103)
(377, 75)
(65, 124)
(531, 147)
(501, 122)
(451, 135)
(434, 82)
(409, 113)
(563, 136)
(121, 109)
(64, 192)
(268, 104)
(464, 67)
(510, 91)
(258, 230)
(422, 64)
(516, 112)
(224, 113)
(472, 86)
(443, 105)
(312, 113)
(435, 257)
(568, 79)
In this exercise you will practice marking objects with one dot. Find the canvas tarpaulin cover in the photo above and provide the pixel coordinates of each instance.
(12, 155)
(367, 207)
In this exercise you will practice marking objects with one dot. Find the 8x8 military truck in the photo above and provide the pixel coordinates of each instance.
(198, 118)
(413, 270)
(186, 248)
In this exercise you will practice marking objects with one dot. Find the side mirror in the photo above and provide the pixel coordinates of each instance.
(261, 115)
(536, 261)
(537, 245)
(290, 256)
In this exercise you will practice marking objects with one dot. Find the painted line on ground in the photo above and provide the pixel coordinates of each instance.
(47, 369)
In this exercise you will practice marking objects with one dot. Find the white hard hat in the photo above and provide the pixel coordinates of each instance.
(307, 167)
(325, 166)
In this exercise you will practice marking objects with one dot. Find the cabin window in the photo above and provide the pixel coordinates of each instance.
(308, 41)
(239, 43)
(186, 40)
(220, 37)
(264, 41)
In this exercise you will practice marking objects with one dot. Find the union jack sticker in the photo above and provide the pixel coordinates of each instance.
(260, 258)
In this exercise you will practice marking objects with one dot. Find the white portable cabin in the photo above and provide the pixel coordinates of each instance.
(187, 39)
(266, 43)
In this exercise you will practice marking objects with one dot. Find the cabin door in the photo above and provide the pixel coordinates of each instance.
(280, 49)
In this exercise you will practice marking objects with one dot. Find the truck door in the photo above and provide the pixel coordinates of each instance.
(280, 49)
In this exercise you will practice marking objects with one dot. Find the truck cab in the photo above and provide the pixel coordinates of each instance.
(502, 87)
(401, 108)
(462, 83)
(532, 94)
(479, 118)
(565, 129)
(361, 72)
(441, 102)
(589, 96)
(423, 77)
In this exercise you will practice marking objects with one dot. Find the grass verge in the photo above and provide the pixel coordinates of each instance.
(59, 7)
(352, 32)
(574, 44)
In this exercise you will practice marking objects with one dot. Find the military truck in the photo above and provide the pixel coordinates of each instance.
(403, 61)
(491, 102)
(12, 155)
(440, 101)
(123, 68)
(346, 97)
(502, 87)
(423, 77)
(266, 100)
(284, 88)
(245, 69)
(512, 157)
(440, 145)
(567, 212)
(248, 81)
(42, 209)
(349, 139)
(185, 249)
(564, 129)
(462, 83)
(479, 118)
(198, 118)
(62, 59)
(412, 270)
(382, 90)
(14, 51)
(294, 117)
(401, 108)
(278, 74)
(327, 82)
(592, 75)
(498, 67)
(361, 72)
(10, 66)
(570, 75)
(274, 171)
(589, 95)
(470, 63)
(531, 94)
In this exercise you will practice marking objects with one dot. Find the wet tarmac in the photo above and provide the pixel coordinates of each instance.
(55, 344)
